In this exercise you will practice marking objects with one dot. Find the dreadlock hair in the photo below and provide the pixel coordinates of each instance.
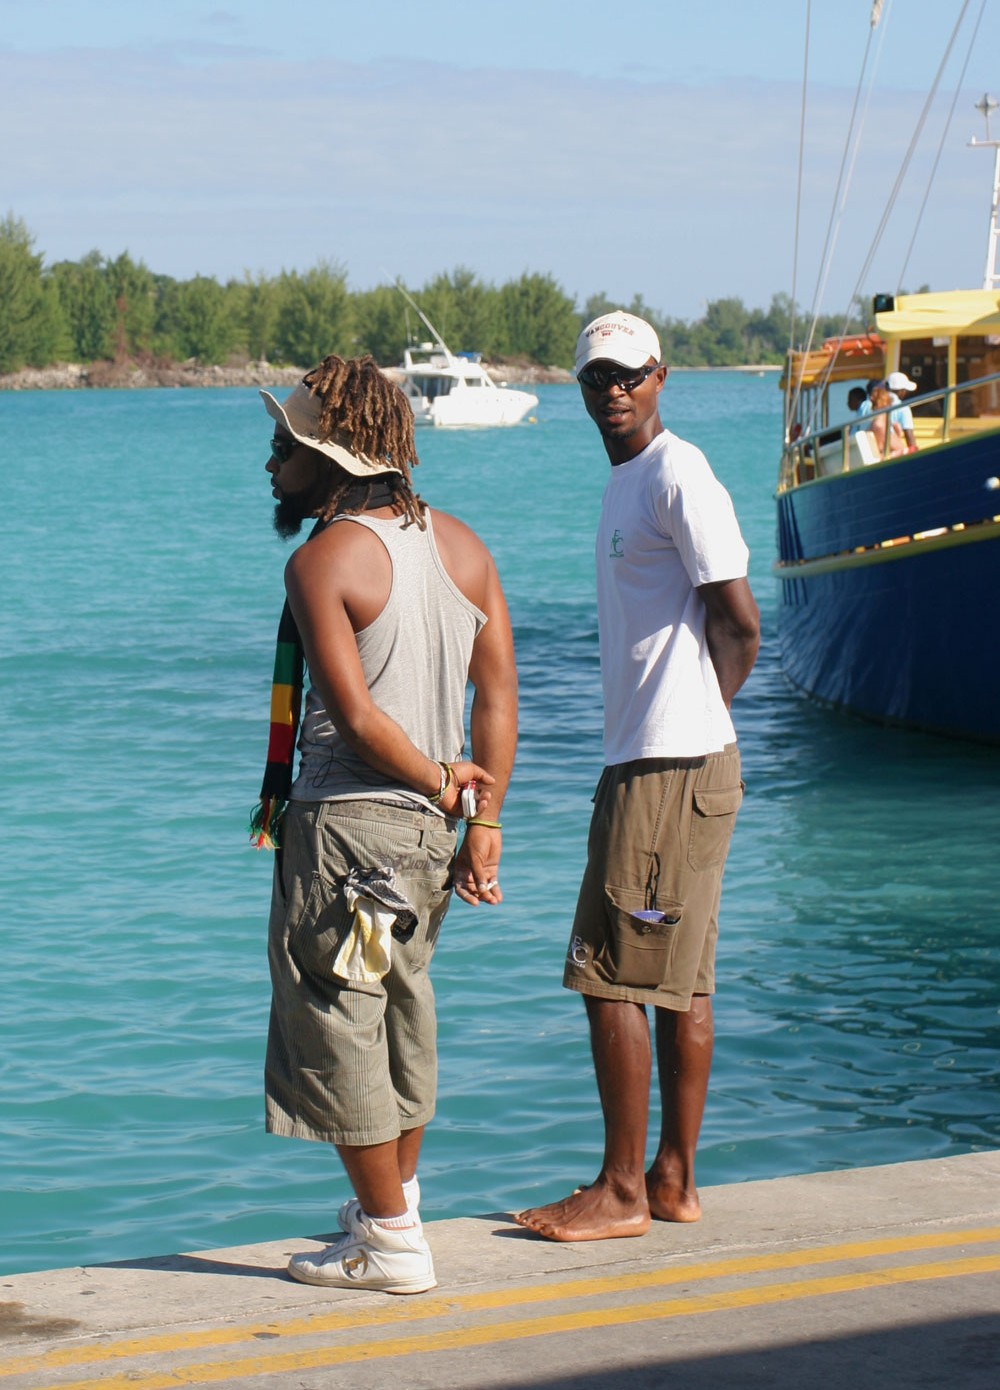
(360, 403)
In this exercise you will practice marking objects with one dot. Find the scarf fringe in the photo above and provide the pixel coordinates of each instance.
(265, 823)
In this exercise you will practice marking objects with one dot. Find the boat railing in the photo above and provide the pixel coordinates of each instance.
(841, 448)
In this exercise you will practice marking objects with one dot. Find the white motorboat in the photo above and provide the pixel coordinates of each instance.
(455, 390)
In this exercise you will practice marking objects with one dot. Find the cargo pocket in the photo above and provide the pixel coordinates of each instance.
(431, 897)
(639, 941)
(712, 820)
(316, 936)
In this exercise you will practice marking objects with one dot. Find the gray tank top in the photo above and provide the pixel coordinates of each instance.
(415, 657)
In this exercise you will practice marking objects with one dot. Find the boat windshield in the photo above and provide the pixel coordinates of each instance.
(432, 386)
(925, 360)
(979, 357)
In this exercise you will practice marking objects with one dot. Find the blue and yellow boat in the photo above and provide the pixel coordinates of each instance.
(889, 567)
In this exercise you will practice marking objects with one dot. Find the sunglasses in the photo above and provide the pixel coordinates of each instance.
(597, 378)
(281, 449)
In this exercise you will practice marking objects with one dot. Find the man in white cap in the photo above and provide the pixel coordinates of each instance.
(679, 631)
(394, 608)
(899, 386)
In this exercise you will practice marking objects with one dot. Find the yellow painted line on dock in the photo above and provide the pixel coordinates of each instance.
(488, 1334)
(393, 1314)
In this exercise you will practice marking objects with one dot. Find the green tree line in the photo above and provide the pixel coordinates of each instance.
(99, 309)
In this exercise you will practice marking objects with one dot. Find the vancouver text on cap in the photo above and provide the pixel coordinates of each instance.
(619, 337)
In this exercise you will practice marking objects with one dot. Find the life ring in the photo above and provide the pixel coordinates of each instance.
(861, 345)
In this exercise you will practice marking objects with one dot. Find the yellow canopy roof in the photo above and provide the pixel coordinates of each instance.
(942, 315)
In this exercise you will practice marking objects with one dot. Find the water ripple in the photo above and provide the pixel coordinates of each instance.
(858, 968)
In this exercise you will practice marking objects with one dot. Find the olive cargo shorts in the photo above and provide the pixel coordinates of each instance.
(352, 1063)
(658, 842)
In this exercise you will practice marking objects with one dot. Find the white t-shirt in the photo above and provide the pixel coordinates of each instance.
(667, 526)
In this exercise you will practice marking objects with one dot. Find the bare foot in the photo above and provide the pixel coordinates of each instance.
(671, 1202)
(589, 1213)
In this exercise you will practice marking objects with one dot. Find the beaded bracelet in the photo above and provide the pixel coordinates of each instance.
(490, 824)
(446, 778)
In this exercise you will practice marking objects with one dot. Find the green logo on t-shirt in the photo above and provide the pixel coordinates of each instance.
(617, 545)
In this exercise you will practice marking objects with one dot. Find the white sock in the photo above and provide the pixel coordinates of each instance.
(406, 1222)
(411, 1191)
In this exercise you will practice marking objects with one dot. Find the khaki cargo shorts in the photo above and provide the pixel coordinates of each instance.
(647, 919)
(352, 1062)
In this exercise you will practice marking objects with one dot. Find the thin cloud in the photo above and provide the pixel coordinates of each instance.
(679, 194)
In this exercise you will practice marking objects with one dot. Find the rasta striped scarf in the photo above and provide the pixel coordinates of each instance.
(286, 706)
(286, 690)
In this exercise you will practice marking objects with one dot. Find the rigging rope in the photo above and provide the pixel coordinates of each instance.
(848, 160)
(836, 217)
(850, 154)
(798, 208)
(904, 166)
(940, 148)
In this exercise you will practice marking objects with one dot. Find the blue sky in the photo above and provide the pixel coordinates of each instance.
(646, 150)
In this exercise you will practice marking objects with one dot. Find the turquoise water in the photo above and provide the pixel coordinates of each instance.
(859, 984)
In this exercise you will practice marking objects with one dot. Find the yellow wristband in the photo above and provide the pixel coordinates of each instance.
(490, 824)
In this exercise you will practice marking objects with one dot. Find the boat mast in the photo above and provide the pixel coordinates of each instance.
(425, 321)
(991, 276)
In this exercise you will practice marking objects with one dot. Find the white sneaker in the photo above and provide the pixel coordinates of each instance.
(370, 1257)
(349, 1209)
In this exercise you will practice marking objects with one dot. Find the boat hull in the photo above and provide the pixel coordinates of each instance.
(888, 589)
(483, 408)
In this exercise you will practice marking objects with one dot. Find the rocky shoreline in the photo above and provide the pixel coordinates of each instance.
(75, 376)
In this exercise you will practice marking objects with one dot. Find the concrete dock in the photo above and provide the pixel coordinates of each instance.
(877, 1277)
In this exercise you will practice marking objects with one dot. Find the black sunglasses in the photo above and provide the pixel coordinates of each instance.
(597, 378)
(281, 449)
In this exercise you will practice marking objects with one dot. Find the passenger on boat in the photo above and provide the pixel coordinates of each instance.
(858, 403)
(899, 386)
(880, 399)
(865, 408)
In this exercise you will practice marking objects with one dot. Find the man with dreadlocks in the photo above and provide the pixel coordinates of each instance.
(393, 607)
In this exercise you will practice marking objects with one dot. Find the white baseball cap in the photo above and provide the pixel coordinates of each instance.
(899, 381)
(617, 337)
